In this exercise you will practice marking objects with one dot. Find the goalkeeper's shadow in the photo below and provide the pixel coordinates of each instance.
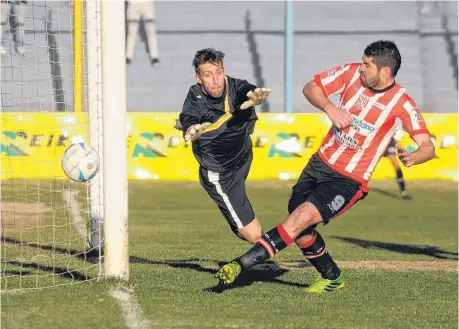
(269, 272)
(189, 264)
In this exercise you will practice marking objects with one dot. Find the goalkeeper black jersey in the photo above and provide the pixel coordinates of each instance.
(226, 143)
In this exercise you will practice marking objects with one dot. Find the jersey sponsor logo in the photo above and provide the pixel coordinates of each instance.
(344, 139)
(336, 203)
(361, 126)
(333, 71)
(415, 114)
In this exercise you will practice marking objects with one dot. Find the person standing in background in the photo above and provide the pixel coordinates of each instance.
(12, 17)
(137, 10)
(391, 154)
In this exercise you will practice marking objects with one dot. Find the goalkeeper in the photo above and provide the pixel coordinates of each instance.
(217, 118)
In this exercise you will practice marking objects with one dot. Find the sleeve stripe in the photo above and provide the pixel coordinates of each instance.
(330, 79)
(319, 82)
(409, 109)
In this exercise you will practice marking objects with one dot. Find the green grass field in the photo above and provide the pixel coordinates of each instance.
(399, 258)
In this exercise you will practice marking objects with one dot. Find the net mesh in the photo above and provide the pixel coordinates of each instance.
(45, 217)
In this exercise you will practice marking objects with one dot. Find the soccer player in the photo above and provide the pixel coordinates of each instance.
(218, 117)
(391, 154)
(371, 108)
(137, 10)
(13, 11)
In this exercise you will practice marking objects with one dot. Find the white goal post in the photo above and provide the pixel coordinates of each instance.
(116, 257)
(107, 77)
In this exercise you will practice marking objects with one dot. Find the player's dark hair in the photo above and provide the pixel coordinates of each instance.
(207, 55)
(385, 54)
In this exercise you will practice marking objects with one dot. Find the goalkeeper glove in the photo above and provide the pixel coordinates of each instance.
(195, 131)
(256, 97)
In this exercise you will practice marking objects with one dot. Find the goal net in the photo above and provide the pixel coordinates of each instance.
(51, 227)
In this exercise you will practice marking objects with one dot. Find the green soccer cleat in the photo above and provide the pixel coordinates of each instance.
(228, 273)
(321, 284)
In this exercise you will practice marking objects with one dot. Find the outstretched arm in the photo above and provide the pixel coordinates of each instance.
(249, 95)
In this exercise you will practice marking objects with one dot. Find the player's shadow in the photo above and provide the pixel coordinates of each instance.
(88, 255)
(268, 272)
(68, 273)
(190, 264)
(385, 193)
(61, 271)
(426, 250)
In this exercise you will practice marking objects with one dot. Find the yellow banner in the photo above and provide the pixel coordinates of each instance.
(32, 145)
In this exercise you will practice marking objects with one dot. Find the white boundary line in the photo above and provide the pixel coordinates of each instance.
(131, 309)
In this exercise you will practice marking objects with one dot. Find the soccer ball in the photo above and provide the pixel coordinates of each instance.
(80, 162)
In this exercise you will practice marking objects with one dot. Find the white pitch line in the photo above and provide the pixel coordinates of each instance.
(131, 309)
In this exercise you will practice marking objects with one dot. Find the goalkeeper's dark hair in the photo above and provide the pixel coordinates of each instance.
(207, 55)
(385, 54)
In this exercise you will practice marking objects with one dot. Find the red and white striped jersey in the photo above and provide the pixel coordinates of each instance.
(356, 150)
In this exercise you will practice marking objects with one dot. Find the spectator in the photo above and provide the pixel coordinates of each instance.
(12, 18)
(145, 10)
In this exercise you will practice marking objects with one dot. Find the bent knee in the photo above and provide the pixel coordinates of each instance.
(251, 232)
(303, 217)
(252, 237)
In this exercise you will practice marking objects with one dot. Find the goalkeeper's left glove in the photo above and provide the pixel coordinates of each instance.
(256, 97)
(195, 131)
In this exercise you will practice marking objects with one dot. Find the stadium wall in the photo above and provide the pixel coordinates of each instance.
(32, 145)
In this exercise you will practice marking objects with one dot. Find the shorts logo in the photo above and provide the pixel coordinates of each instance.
(336, 204)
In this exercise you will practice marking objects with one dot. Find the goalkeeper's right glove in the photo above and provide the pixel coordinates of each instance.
(195, 131)
(256, 97)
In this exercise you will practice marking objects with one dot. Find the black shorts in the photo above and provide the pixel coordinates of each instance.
(329, 191)
(391, 148)
(228, 191)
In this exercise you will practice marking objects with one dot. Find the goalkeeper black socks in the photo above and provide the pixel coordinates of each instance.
(269, 244)
(314, 250)
(400, 180)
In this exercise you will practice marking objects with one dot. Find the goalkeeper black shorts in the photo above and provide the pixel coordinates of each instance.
(227, 189)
